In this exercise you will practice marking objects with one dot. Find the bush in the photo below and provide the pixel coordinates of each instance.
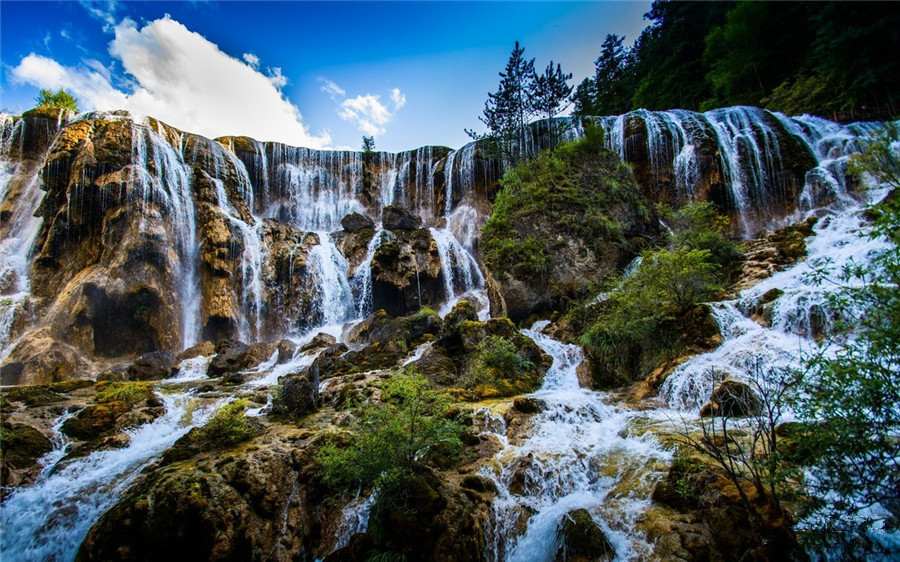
(61, 99)
(496, 358)
(229, 426)
(697, 226)
(393, 441)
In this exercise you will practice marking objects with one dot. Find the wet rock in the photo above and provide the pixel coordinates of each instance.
(95, 420)
(582, 540)
(299, 394)
(528, 405)
(202, 349)
(319, 341)
(21, 446)
(354, 222)
(232, 356)
(732, 398)
(286, 351)
(233, 379)
(437, 368)
(395, 217)
(380, 327)
(153, 366)
(463, 311)
(762, 312)
(406, 273)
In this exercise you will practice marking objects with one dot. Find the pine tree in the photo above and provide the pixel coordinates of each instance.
(368, 144)
(507, 111)
(549, 96)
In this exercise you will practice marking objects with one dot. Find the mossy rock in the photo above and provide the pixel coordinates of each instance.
(31, 396)
(580, 539)
(95, 420)
(22, 445)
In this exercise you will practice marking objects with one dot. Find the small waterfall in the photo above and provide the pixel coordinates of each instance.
(19, 231)
(329, 268)
(49, 520)
(354, 519)
(362, 277)
(798, 316)
(448, 183)
(459, 269)
(578, 454)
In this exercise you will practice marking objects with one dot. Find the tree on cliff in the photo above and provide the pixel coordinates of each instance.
(368, 144)
(549, 95)
(61, 99)
(507, 111)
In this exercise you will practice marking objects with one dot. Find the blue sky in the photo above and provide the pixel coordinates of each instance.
(306, 73)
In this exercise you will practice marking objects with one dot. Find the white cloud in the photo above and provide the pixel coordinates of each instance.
(183, 79)
(251, 59)
(104, 11)
(330, 88)
(367, 112)
(399, 98)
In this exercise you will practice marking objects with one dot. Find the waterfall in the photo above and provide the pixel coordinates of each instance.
(49, 520)
(329, 268)
(168, 180)
(18, 232)
(458, 268)
(362, 277)
(798, 315)
(579, 453)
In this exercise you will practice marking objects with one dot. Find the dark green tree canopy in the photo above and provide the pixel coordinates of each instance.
(61, 99)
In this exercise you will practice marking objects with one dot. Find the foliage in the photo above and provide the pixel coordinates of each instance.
(549, 96)
(229, 425)
(697, 226)
(392, 441)
(831, 58)
(368, 144)
(128, 392)
(575, 191)
(61, 99)
(751, 451)
(496, 357)
(667, 284)
(850, 397)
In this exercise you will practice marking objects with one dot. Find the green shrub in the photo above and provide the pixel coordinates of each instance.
(128, 392)
(697, 226)
(61, 99)
(496, 357)
(392, 441)
(229, 426)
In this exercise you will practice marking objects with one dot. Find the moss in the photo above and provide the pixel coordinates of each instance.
(229, 426)
(39, 395)
(129, 392)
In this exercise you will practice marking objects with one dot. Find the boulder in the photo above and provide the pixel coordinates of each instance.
(20, 448)
(354, 222)
(202, 349)
(581, 539)
(39, 358)
(231, 356)
(395, 217)
(528, 405)
(731, 398)
(319, 341)
(299, 394)
(152, 366)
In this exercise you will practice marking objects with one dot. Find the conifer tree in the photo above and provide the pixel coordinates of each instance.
(506, 112)
(549, 94)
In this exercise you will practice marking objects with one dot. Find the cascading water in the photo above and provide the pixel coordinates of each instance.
(48, 520)
(458, 268)
(336, 302)
(578, 454)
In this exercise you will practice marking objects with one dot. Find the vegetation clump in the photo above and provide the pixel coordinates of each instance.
(641, 319)
(62, 99)
(392, 442)
(578, 191)
(497, 359)
(229, 426)
(129, 392)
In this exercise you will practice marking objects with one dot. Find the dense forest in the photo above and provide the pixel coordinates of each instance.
(834, 59)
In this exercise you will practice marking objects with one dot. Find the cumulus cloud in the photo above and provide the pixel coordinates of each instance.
(183, 79)
(399, 98)
(369, 114)
(332, 89)
(251, 59)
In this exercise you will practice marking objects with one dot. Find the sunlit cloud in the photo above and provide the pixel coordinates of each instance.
(251, 59)
(399, 98)
(332, 89)
(180, 77)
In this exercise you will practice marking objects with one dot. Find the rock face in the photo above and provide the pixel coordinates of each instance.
(406, 273)
(354, 222)
(299, 394)
(395, 217)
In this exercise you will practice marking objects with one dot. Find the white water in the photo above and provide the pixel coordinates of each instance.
(329, 267)
(459, 269)
(579, 454)
(48, 520)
